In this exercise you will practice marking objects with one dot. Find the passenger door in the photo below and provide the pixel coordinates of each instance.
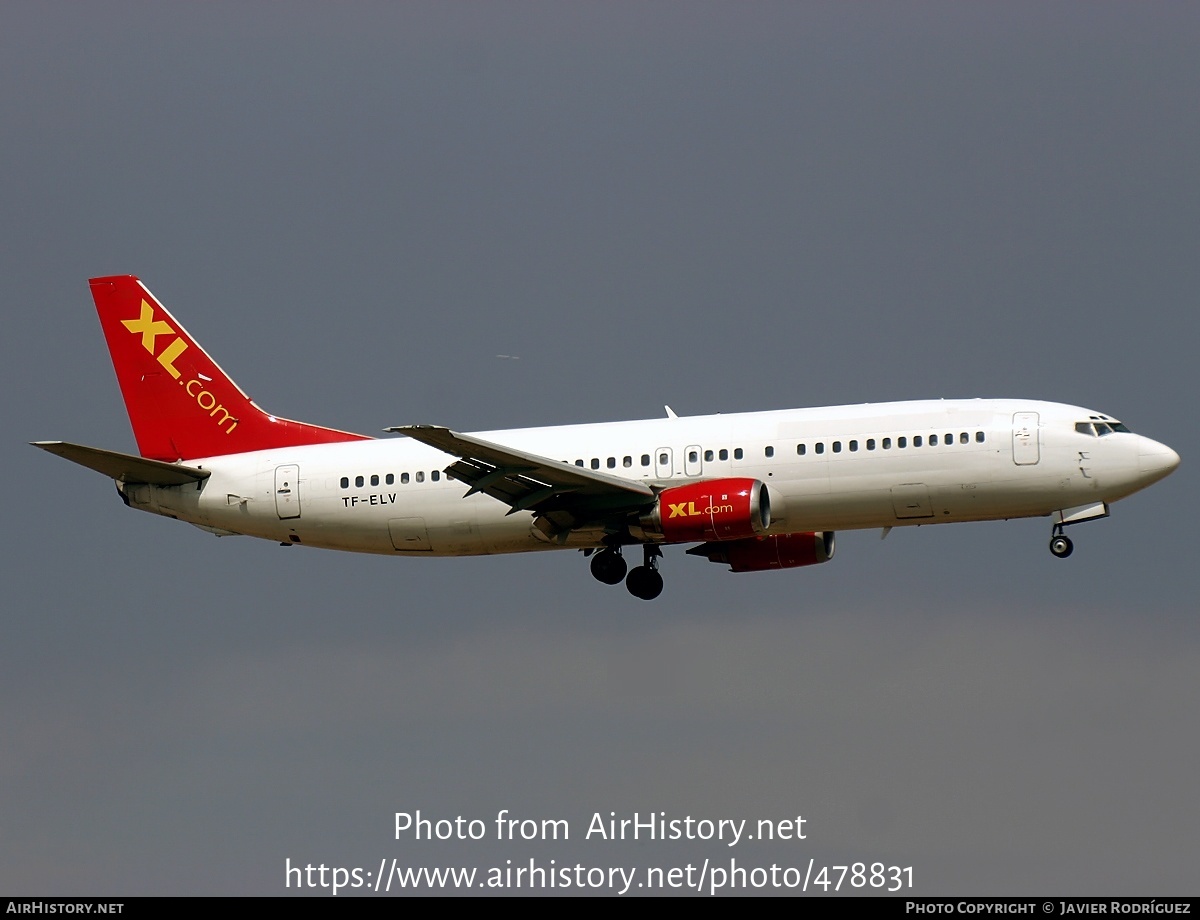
(287, 491)
(1025, 438)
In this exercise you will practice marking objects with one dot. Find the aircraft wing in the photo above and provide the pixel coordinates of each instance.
(566, 495)
(124, 467)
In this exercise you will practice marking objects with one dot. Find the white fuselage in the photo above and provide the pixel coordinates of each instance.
(827, 469)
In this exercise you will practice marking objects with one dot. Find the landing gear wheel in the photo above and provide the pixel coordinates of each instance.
(609, 567)
(644, 583)
(1061, 545)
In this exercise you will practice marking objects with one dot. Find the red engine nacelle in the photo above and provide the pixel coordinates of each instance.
(782, 551)
(718, 509)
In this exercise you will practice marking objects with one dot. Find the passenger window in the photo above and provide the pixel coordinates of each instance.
(962, 438)
(579, 463)
(724, 455)
(435, 475)
(933, 440)
(374, 479)
(917, 440)
(801, 450)
(870, 443)
(612, 463)
(708, 455)
(902, 442)
(627, 462)
(693, 456)
(404, 479)
(645, 459)
(421, 476)
(887, 443)
(837, 447)
(820, 447)
(391, 479)
(595, 463)
(979, 437)
(663, 459)
(770, 451)
(358, 482)
(345, 482)
(737, 453)
(853, 446)
(949, 438)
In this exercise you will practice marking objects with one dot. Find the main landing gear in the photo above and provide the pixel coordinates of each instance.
(643, 581)
(608, 566)
(1060, 544)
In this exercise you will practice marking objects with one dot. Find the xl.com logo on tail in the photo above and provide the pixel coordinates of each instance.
(149, 328)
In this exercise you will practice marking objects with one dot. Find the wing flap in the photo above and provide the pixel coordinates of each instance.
(124, 467)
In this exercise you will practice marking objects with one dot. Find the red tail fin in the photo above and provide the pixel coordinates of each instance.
(180, 403)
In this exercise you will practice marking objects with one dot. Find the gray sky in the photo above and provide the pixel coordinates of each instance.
(718, 206)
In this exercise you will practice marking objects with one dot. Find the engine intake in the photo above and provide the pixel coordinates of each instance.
(780, 551)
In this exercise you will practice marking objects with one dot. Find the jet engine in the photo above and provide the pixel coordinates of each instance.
(761, 554)
(717, 509)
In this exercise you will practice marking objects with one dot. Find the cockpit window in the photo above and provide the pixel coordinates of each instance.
(1099, 428)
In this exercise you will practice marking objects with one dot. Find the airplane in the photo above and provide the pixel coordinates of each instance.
(756, 491)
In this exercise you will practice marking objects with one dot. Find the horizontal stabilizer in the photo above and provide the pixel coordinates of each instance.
(124, 467)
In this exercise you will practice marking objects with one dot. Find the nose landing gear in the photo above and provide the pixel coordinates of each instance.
(1060, 544)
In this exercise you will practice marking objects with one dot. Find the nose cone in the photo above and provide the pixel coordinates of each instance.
(1155, 460)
